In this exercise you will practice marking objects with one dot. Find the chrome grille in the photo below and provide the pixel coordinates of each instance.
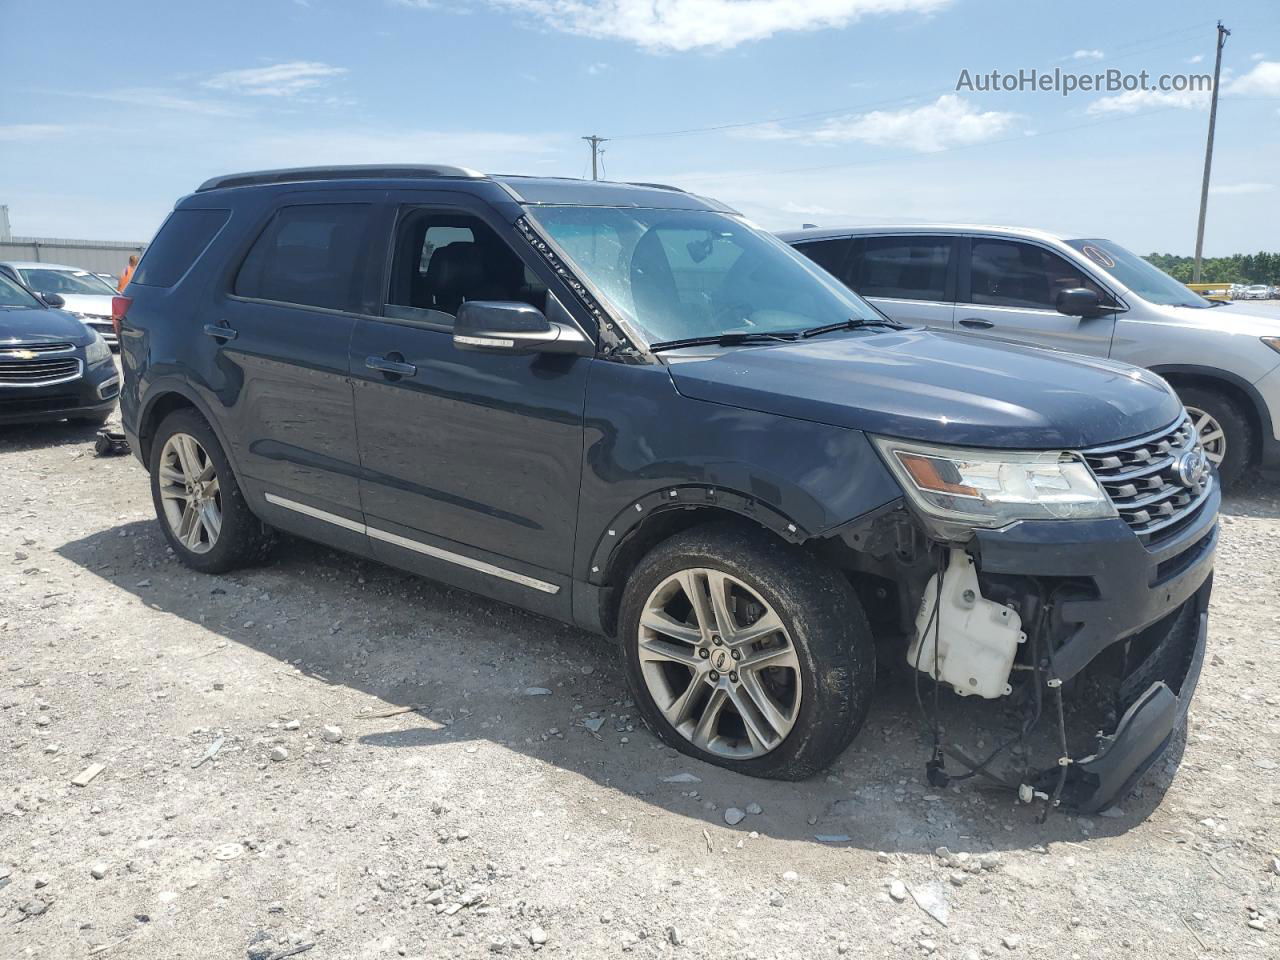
(36, 371)
(1145, 481)
(11, 350)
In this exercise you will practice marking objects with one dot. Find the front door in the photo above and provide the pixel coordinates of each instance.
(470, 461)
(1009, 290)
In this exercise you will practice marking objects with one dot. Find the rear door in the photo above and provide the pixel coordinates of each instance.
(280, 336)
(1009, 289)
(470, 461)
(910, 277)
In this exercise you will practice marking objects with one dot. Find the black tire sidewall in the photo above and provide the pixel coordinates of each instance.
(1235, 425)
(241, 537)
(823, 617)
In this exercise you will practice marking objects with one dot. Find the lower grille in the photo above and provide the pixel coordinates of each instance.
(37, 371)
(1159, 482)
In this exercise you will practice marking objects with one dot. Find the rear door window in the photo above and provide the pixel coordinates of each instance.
(311, 255)
(903, 268)
(180, 242)
(1008, 273)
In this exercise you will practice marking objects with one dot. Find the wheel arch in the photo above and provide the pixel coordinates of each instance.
(163, 400)
(650, 520)
(1237, 388)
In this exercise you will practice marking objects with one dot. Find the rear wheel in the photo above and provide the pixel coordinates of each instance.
(746, 653)
(198, 501)
(1224, 430)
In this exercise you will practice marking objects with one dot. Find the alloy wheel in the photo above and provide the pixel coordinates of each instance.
(190, 493)
(1211, 434)
(719, 663)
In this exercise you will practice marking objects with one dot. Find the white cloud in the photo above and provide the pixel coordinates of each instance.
(1088, 55)
(596, 69)
(1258, 56)
(949, 121)
(1133, 101)
(682, 25)
(1262, 81)
(152, 98)
(1243, 188)
(1196, 59)
(25, 132)
(276, 80)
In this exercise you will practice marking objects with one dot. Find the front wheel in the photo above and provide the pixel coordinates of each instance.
(747, 653)
(1223, 429)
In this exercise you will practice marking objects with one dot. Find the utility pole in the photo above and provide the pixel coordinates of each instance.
(595, 153)
(1223, 33)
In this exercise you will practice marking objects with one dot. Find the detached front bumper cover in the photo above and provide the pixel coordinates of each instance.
(1149, 725)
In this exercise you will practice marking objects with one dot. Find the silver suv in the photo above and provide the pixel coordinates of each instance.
(1086, 296)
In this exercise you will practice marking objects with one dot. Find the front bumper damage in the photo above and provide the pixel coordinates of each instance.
(1111, 618)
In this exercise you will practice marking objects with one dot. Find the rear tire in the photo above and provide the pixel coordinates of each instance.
(797, 716)
(214, 533)
(1227, 433)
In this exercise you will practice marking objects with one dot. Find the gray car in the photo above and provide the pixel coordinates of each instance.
(1088, 296)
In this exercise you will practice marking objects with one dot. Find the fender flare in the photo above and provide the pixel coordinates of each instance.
(684, 497)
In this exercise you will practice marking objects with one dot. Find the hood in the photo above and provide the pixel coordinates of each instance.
(1235, 317)
(28, 325)
(88, 303)
(934, 387)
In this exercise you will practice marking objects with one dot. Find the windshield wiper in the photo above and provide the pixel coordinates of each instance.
(723, 340)
(854, 323)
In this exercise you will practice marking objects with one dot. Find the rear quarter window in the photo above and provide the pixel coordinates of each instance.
(180, 242)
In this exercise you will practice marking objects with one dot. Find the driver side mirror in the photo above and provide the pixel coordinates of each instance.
(1078, 302)
(54, 300)
(500, 326)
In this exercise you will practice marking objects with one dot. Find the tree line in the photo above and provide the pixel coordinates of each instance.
(1238, 268)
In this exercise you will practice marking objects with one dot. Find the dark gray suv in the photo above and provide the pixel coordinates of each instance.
(623, 406)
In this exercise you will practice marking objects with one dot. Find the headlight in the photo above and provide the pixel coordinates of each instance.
(993, 488)
(1273, 343)
(97, 351)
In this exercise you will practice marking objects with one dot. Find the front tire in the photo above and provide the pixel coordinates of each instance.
(198, 500)
(747, 653)
(1224, 430)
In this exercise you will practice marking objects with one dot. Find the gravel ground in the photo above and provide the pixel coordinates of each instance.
(515, 804)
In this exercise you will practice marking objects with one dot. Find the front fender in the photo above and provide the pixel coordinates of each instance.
(648, 448)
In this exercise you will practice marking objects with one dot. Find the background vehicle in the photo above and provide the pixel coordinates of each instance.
(625, 407)
(1084, 296)
(52, 367)
(85, 294)
(1257, 291)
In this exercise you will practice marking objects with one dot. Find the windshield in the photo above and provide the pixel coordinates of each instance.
(1150, 283)
(677, 274)
(12, 295)
(63, 282)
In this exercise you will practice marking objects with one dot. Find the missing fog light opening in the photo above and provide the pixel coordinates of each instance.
(975, 639)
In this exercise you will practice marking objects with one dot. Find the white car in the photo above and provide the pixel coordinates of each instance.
(85, 294)
(1256, 291)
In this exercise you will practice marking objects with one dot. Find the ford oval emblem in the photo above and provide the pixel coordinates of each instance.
(1193, 467)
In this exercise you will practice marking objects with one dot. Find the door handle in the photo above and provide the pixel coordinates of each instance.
(219, 332)
(973, 323)
(385, 364)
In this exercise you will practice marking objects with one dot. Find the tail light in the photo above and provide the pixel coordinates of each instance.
(119, 307)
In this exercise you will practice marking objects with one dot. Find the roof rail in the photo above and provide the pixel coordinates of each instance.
(411, 171)
(657, 186)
